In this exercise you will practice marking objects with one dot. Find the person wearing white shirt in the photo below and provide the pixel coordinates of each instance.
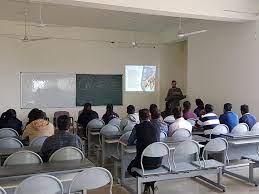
(180, 122)
(132, 117)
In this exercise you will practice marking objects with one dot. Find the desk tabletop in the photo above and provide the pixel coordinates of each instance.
(249, 134)
(49, 168)
(10, 151)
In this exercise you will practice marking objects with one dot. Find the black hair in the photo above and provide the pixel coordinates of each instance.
(187, 105)
(63, 122)
(153, 107)
(177, 112)
(87, 106)
(173, 81)
(228, 107)
(109, 108)
(168, 106)
(209, 108)
(244, 108)
(199, 103)
(130, 109)
(39, 114)
(155, 115)
(144, 114)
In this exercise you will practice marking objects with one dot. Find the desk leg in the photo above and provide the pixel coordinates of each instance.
(139, 184)
(122, 166)
(88, 142)
(103, 151)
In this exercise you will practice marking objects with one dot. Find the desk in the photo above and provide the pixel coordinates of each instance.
(109, 138)
(11, 176)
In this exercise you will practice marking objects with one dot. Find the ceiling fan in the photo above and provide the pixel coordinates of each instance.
(182, 34)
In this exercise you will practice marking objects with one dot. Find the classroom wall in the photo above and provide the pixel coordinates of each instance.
(223, 66)
(76, 57)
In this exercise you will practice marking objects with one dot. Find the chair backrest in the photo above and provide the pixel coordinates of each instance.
(192, 121)
(67, 153)
(23, 157)
(115, 121)
(91, 178)
(61, 113)
(216, 145)
(169, 119)
(219, 129)
(38, 142)
(157, 149)
(181, 135)
(124, 138)
(186, 148)
(163, 136)
(40, 184)
(10, 142)
(129, 126)
(255, 127)
(95, 124)
(8, 132)
(2, 191)
(110, 128)
(240, 129)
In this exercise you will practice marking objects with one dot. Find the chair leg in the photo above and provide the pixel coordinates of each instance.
(139, 184)
(115, 170)
(219, 176)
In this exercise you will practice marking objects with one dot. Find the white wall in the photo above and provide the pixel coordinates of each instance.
(76, 57)
(223, 66)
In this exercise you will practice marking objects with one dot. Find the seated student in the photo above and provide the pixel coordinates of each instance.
(145, 134)
(87, 115)
(229, 118)
(209, 120)
(158, 122)
(200, 107)
(9, 120)
(168, 110)
(132, 117)
(180, 122)
(187, 113)
(247, 118)
(109, 115)
(62, 138)
(39, 127)
(31, 116)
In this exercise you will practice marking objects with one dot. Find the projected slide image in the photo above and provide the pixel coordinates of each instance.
(140, 78)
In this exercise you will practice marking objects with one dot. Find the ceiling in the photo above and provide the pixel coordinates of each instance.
(86, 17)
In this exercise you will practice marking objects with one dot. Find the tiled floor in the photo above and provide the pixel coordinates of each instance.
(189, 186)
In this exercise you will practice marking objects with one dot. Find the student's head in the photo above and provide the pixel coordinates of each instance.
(168, 106)
(144, 114)
(11, 113)
(31, 113)
(155, 115)
(227, 107)
(87, 107)
(153, 107)
(39, 114)
(174, 84)
(63, 122)
(199, 103)
(209, 108)
(186, 105)
(244, 109)
(130, 109)
(109, 108)
(177, 112)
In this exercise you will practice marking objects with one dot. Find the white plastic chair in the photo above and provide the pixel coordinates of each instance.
(192, 121)
(10, 142)
(8, 132)
(67, 153)
(2, 191)
(157, 149)
(23, 157)
(186, 148)
(109, 129)
(115, 121)
(216, 145)
(181, 135)
(40, 184)
(163, 136)
(218, 130)
(95, 124)
(91, 178)
(37, 143)
(169, 119)
(255, 127)
(240, 129)
(129, 127)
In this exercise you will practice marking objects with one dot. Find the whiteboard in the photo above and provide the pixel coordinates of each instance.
(48, 90)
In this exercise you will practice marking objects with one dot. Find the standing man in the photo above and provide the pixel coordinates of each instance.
(174, 95)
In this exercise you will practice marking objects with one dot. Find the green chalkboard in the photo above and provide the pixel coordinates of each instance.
(98, 89)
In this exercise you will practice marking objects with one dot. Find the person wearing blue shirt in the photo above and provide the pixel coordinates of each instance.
(229, 118)
(247, 118)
